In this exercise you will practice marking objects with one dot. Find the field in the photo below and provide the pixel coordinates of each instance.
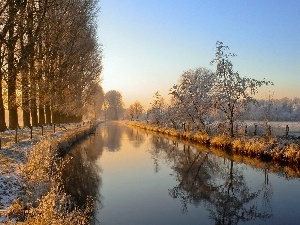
(277, 128)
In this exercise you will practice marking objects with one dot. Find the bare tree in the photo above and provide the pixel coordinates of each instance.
(50, 54)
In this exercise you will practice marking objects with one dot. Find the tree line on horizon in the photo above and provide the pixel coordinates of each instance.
(50, 61)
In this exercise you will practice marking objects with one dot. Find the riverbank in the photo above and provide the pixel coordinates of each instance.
(281, 150)
(31, 188)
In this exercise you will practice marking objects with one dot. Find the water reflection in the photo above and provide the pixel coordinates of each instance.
(204, 186)
(215, 182)
(136, 137)
(111, 136)
(81, 175)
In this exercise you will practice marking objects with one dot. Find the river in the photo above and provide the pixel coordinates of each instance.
(146, 178)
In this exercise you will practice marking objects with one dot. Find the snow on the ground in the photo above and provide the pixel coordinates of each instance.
(10, 180)
(12, 155)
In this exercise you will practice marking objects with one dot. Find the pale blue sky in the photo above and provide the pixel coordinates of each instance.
(149, 43)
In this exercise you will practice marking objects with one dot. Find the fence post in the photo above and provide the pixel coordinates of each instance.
(269, 130)
(287, 129)
(0, 143)
(16, 136)
(245, 129)
(255, 129)
(42, 130)
(54, 128)
(31, 132)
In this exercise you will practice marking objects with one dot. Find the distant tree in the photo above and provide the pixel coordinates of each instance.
(96, 100)
(232, 93)
(271, 109)
(156, 113)
(129, 113)
(114, 104)
(135, 110)
(138, 109)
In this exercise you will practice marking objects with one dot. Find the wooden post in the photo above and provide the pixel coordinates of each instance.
(245, 129)
(255, 129)
(31, 132)
(53, 127)
(0, 143)
(16, 136)
(287, 129)
(269, 130)
(42, 130)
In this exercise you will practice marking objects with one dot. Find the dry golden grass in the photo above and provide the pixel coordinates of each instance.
(257, 147)
(221, 141)
(202, 138)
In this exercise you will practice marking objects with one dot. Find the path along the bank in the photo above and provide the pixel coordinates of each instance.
(14, 150)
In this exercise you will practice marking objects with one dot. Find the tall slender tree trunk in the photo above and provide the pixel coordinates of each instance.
(2, 110)
(40, 84)
(24, 81)
(12, 73)
(33, 80)
(41, 115)
(25, 101)
(48, 114)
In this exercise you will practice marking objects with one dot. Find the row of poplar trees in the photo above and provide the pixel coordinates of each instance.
(50, 62)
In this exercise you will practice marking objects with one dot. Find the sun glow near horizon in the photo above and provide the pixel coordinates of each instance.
(149, 44)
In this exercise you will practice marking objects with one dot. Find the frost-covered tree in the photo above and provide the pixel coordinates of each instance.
(135, 110)
(49, 59)
(156, 113)
(95, 101)
(284, 109)
(232, 93)
(192, 97)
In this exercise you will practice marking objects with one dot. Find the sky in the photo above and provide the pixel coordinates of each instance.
(148, 44)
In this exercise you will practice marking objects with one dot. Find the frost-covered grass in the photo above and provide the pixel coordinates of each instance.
(278, 149)
(30, 185)
(277, 128)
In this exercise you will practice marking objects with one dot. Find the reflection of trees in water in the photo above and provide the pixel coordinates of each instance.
(162, 149)
(233, 201)
(111, 135)
(267, 193)
(94, 146)
(81, 176)
(214, 182)
(135, 136)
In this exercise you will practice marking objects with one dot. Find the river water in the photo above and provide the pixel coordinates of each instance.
(147, 178)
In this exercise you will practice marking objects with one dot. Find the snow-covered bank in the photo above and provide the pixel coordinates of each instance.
(281, 150)
(30, 178)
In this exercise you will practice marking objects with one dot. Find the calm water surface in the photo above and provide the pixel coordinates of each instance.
(150, 179)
